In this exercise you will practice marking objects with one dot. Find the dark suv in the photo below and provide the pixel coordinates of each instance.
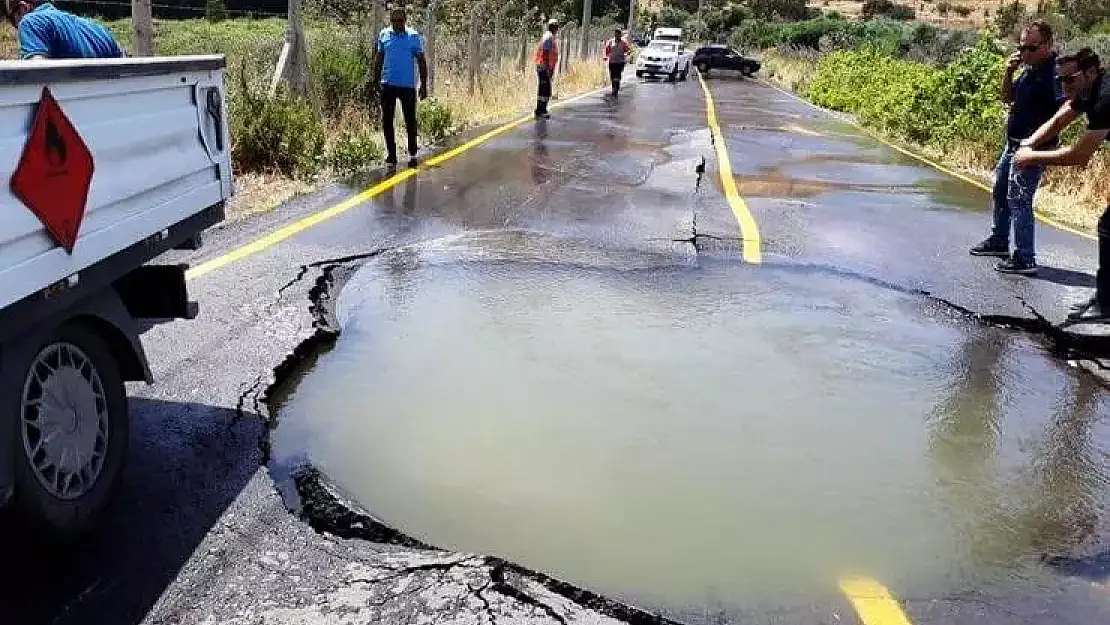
(719, 57)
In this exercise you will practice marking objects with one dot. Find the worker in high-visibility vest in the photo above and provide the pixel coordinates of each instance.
(547, 56)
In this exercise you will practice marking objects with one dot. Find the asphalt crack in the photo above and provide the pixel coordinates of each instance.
(402, 571)
(300, 276)
(500, 585)
(479, 593)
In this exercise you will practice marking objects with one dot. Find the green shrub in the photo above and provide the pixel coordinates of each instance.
(762, 34)
(354, 152)
(215, 10)
(279, 134)
(339, 72)
(937, 106)
(875, 8)
(789, 10)
(434, 119)
(1085, 13)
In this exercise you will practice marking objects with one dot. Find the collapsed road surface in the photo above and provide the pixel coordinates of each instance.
(788, 396)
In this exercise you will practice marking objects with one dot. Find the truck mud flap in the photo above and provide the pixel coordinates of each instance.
(156, 292)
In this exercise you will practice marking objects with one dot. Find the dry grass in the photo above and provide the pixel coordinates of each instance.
(507, 92)
(260, 192)
(789, 72)
(981, 13)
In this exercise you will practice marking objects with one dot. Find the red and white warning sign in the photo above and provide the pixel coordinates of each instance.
(54, 173)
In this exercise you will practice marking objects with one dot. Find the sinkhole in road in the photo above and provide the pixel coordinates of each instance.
(691, 436)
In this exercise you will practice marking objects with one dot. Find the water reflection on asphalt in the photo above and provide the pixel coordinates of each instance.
(696, 436)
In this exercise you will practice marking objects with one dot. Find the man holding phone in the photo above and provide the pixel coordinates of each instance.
(1088, 91)
(1034, 97)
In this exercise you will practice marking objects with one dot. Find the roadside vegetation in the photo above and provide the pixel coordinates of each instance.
(930, 88)
(283, 146)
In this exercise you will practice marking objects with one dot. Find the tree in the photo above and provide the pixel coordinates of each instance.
(787, 10)
(215, 10)
(1085, 13)
(875, 8)
(1009, 18)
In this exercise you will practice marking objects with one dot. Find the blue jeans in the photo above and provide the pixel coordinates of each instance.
(1013, 202)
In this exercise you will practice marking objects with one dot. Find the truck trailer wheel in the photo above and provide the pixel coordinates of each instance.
(72, 433)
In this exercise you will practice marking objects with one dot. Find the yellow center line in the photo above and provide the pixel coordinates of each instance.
(749, 231)
(935, 165)
(316, 218)
(873, 602)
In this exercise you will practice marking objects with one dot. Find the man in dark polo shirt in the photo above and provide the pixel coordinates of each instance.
(1088, 91)
(1034, 97)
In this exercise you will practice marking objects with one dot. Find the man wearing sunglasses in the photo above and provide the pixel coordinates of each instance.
(1033, 98)
(1088, 92)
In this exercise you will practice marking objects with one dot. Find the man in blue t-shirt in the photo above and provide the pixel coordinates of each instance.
(1035, 96)
(400, 51)
(46, 32)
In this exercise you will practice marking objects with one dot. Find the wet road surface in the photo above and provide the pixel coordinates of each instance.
(691, 436)
(562, 359)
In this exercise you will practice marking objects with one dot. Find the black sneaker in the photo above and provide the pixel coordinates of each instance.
(990, 247)
(413, 162)
(543, 115)
(1085, 304)
(1093, 311)
(1013, 265)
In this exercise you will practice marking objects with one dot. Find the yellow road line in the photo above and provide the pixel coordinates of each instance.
(873, 602)
(749, 231)
(305, 223)
(968, 179)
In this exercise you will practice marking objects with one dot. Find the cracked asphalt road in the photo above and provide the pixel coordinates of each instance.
(200, 533)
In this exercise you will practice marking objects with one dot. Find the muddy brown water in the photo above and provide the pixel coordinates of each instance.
(695, 436)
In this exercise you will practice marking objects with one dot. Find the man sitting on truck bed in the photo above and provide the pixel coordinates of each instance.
(46, 32)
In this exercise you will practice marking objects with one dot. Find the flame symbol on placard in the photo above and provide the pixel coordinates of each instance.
(55, 145)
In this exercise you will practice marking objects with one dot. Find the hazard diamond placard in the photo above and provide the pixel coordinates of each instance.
(54, 173)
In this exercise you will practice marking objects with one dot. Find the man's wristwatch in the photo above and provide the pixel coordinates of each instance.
(1025, 143)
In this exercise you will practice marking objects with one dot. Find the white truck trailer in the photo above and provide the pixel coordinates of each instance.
(110, 163)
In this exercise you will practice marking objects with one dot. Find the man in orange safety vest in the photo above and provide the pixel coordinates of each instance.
(547, 55)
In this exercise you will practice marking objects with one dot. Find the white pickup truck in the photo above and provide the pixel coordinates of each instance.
(109, 163)
(663, 57)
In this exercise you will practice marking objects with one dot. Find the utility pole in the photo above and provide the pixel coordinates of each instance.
(142, 27)
(631, 17)
(430, 42)
(292, 64)
(584, 49)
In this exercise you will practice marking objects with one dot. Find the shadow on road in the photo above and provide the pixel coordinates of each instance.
(1064, 277)
(187, 463)
(1094, 568)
